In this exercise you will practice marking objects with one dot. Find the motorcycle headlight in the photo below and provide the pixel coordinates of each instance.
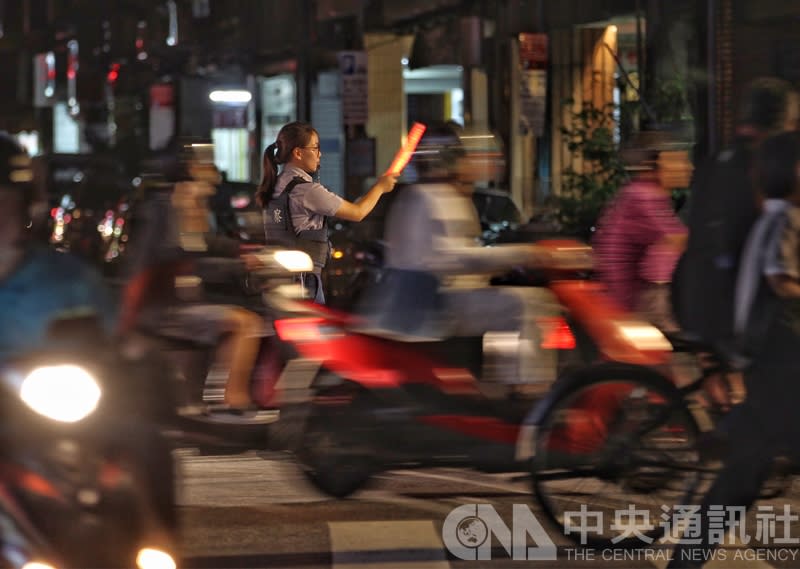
(65, 393)
(294, 261)
(152, 558)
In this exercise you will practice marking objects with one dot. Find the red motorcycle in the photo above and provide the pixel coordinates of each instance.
(376, 402)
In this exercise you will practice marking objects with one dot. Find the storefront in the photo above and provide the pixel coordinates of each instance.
(233, 125)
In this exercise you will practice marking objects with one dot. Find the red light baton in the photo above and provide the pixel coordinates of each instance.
(403, 156)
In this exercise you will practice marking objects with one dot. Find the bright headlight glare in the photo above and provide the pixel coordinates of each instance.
(150, 558)
(37, 565)
(294, 261)
(66, 393)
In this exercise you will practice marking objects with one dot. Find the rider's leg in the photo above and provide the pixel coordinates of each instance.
(243, 344)
(512, 310)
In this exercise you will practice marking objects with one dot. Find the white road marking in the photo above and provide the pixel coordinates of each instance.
(387, 545)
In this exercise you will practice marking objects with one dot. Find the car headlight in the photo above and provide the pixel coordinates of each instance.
(66, 393)
(294, 261)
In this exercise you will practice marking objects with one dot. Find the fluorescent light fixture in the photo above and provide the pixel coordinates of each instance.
(233, 96)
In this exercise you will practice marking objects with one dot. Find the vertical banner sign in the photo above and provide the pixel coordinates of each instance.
(533, 81)
(162, 115)
(353, 71)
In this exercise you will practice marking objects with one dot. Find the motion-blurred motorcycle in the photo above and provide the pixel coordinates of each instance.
(380, 400)
(185, 362)
(85, 478)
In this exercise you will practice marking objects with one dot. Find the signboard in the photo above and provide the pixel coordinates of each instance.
(353, 73)
(533, 81)
(162, 115)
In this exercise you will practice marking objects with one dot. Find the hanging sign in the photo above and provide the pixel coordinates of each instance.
(533, 81)
(353, 71)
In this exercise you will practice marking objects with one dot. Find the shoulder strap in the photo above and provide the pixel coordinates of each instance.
(294, 182)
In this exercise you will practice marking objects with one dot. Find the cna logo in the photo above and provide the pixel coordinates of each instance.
(467, 532)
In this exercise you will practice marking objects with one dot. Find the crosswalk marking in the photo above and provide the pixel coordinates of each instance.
(387, 545)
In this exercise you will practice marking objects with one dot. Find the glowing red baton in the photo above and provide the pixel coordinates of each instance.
(403, 156)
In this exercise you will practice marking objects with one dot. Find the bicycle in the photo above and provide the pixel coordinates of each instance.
(618, 435)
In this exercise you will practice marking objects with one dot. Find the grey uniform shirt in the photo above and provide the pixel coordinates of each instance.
(309, 203)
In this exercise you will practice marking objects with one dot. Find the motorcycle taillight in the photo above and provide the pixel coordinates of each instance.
(299, 329)
(556, 334)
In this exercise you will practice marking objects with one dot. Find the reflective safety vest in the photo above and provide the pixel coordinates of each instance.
(279, 229)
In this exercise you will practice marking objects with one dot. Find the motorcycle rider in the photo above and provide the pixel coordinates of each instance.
(37, 284)
(437, 279)
(171, 243)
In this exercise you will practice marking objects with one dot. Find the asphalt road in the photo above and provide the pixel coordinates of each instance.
(259, 511)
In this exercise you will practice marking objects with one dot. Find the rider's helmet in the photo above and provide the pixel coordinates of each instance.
(483, 158)
(448, 151)
(437, 154)
(659, 152)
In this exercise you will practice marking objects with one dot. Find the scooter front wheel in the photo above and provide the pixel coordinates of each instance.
(337, 455)
(618, 445)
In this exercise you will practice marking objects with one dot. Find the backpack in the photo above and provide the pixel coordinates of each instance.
(279, 229)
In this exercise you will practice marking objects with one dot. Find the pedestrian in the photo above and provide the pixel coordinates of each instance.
(308, 204)
(723, 205)
(767, 323)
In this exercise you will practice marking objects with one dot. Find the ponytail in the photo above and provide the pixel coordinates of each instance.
(266, 188)
(292, 135)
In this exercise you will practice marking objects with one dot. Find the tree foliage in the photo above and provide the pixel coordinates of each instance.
(586, 190)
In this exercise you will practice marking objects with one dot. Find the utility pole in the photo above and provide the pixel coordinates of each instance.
(305, 39)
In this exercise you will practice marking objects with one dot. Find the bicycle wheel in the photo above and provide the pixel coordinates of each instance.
(613, 449)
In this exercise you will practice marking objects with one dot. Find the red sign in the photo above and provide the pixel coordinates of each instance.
(162, 95)
(533, 51)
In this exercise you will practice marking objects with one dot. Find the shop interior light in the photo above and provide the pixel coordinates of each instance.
(234, 96)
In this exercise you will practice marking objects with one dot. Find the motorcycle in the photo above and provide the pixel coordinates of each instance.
(84, 479)
(199, 418)
(378, 402)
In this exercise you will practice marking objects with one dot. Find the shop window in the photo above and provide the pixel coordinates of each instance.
(231, 154)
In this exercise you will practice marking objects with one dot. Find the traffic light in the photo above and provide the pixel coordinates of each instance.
(113, 74)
